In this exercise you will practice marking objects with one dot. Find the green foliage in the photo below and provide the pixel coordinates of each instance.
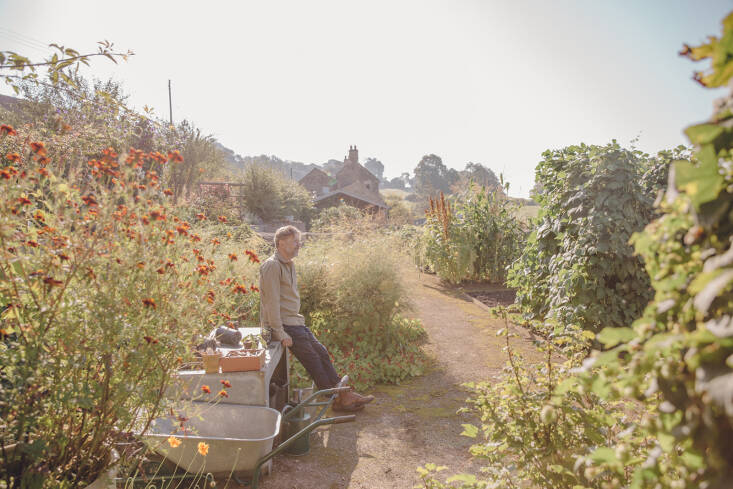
(540, 423)
(578, 267)
(271, 196)
(676, 360)
(352, 295)
(476, 238)
(103, 292)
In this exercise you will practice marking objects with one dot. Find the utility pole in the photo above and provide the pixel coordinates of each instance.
(170, 102)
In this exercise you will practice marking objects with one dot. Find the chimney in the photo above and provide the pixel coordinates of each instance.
(353, 154)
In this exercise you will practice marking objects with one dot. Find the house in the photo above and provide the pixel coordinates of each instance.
(353, 185)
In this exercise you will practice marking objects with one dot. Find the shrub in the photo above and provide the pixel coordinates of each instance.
(352, 295)
(474, 239)
(578, 267)
(103, 291)
(271, 196)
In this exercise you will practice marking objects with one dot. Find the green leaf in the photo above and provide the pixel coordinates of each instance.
(703, 133)
(469, 430)
(604, 455)
(692, 460)
(611, 337)
(467, 478)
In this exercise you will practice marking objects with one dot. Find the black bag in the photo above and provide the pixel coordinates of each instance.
(228, 336)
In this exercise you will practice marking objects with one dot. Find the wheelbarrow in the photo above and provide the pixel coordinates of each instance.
(239, 438)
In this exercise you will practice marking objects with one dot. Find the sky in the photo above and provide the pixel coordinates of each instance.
(487, 81)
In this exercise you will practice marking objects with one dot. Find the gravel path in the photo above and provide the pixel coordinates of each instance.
(416, 422)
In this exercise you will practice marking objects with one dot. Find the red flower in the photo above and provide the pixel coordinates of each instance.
(44, 160)
(201, 216)
(223, 393)
(6, 129)
(242, 289)
(15, 157)
(150, 340)
(168, 191)
(24, 200)
(32, 244)
(252, 256)
(222, 219)
(43, 172)
(195, 238)
(232, 257)
(149, 302)
(225, 383)
(63, 257)
(39, 148)
(161, 270)
(215, 242)
(175, 157)
(205, 389)
(182, 230)
(254, 289)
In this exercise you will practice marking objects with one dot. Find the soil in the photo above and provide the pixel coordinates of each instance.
(417, 422)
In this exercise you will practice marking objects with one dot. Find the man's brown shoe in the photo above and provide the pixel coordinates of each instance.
(350, 401)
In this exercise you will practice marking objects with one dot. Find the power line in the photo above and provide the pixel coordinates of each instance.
(22, 37)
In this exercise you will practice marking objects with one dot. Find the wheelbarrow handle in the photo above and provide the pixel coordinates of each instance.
(306, 402)
(292, 439)
(340, 419)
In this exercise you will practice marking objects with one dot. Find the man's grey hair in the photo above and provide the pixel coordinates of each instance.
(284, 232)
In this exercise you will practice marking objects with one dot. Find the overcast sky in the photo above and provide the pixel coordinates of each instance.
(494, 82)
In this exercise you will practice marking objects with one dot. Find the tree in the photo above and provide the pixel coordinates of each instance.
(432, 176)
(332, 167)
(376, 167)
(482, 176)
(397, 182)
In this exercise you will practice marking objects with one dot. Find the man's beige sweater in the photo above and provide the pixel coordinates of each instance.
(279, 297)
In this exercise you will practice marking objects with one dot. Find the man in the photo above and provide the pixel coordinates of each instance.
(280, 314)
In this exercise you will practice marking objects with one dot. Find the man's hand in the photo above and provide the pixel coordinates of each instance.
(287, 342)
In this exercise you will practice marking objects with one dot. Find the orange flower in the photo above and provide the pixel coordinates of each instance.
(39, 148)
(44, 160)
(52, 282)
(150, 340)
(149, 302)
(252, 256)
(15, 157)
(254, 289)
(175, 157)
(205, 389)
(242, 289)
(222, 219)
(89, 200)
(200, 216)
(6, 129)
(43, 172)
(195, 238)
(203, 448)
(223, 393)
(225, 383)
(215, 242)
(232, 257)
(168, 191)
(173, 441)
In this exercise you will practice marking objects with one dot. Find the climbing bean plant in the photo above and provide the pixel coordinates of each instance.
(578, 267)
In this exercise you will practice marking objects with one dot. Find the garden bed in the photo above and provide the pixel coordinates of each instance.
(494, 297)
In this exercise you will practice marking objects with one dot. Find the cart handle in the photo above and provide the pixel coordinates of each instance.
(292, 439)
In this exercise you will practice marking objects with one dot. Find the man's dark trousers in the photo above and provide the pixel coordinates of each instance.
(313, 355)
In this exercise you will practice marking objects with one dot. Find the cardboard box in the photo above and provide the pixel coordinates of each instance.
(243, 360)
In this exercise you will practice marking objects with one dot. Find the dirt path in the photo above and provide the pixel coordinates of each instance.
(416, 422)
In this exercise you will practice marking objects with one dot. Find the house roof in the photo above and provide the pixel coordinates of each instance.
(358, 167)
(315, 171)
(357, 190)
